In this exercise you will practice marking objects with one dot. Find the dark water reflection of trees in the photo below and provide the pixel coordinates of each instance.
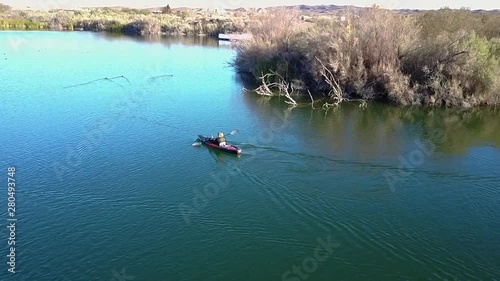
(383, 130)
(204, 41)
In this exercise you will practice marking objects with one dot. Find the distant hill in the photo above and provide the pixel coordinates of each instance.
(335, 10)
(306, 9)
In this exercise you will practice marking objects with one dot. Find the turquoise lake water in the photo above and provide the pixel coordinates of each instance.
(109, 186)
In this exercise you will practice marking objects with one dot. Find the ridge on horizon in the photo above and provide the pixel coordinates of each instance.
(318, 8)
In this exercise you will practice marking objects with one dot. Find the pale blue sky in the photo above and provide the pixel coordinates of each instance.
(394, 4)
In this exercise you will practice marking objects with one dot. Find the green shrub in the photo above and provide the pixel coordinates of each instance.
(116, 27)
(444, 21)
(20, 24)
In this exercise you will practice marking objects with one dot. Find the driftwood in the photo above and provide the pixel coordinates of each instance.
(282, 87)
(265, 88)
(102, 79)
(312, 100)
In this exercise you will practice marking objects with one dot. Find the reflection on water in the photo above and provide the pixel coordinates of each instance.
(382, 130)
(204, 41)
(304, 173)
(442, 207)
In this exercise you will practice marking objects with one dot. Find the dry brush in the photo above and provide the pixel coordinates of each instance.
(375, 54)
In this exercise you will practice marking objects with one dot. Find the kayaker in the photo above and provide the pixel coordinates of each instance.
(221, 139)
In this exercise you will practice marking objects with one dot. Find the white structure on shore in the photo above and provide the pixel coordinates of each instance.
(234, 37)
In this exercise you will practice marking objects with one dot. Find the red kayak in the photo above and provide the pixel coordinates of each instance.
(213, 143)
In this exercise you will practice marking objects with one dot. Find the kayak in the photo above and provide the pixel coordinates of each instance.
(212, 143)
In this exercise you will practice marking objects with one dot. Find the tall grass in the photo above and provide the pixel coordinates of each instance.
(20, 24)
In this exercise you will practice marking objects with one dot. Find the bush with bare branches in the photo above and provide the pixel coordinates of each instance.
(374, 54)
(275, 46)
(364, 52)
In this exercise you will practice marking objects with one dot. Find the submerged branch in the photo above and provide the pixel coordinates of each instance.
(337, 102)
(282, 87)
(102, 79)
(160, 76)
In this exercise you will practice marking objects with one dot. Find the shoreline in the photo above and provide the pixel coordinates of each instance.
(443, 58)
(129, 21)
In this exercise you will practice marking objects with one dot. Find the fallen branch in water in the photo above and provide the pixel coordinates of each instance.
(265, 88)
(102, 79)
(282, 86)
(160, 76)
(337, 102)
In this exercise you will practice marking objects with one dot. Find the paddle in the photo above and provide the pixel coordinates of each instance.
(198, 143)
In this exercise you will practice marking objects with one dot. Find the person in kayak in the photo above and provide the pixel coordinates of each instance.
(221, 139)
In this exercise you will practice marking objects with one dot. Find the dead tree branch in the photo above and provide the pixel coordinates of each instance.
(312, 100)
(332, 82)
(154, 78)
(102, 79)
(282, 87)
(338, 94)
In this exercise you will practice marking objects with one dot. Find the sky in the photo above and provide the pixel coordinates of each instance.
(392, 4)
